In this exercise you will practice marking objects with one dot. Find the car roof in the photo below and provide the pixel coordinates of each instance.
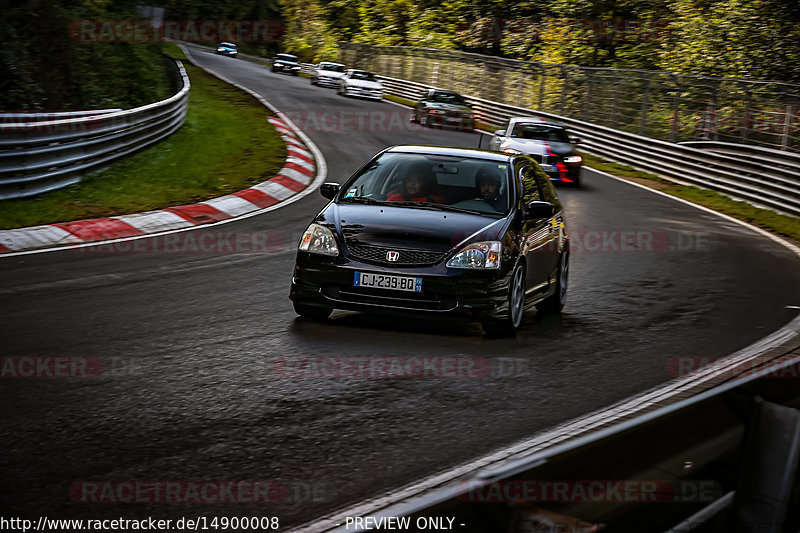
(537, 120)
(330, 63)
(450, 150)
(287, 55)
(225, 43)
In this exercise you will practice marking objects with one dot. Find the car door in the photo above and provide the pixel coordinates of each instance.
(538, 235)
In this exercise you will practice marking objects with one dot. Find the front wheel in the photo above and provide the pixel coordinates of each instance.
(516, 307)
(312, 311)
(556, 301)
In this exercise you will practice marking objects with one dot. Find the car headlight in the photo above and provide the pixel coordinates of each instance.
(511, 151)
(485, 255)
(319, 240)
(220, 49)
(573, 159)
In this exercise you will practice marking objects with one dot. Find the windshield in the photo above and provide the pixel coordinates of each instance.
(539, 132)
(331, 67)
(432, 182)
(228, 45)
(448, 98)
(286, 57)
(361, 75)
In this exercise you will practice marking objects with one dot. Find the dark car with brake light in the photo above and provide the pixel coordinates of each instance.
(443, 109)
(437, 230)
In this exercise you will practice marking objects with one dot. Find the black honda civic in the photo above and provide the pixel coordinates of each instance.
(429, 229)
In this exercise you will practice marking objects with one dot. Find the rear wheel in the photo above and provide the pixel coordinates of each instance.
(516, 307)
(313, 312)
(556, 301)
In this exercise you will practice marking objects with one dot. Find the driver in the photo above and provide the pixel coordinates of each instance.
(488, 186)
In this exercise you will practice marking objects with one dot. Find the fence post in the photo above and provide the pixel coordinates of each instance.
(645, 105)
(787, 127)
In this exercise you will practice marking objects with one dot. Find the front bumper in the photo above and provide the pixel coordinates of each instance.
(375, 94)
(328, 282)
(328, 82)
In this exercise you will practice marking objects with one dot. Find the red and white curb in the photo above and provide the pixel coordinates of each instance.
(296, 175)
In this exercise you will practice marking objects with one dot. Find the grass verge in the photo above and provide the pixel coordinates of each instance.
(225, 145)
(784, 225)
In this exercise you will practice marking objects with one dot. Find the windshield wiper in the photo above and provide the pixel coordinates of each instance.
(362, 200)
(437, 207)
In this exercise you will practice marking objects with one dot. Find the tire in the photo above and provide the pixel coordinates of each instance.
(274, 69)
(313, 312)
(554, 303)
(424, 122)
(413, 118)
(516, 307)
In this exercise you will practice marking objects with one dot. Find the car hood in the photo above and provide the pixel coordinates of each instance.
(408, 227)
(330, 73)
(287, 63)
(449, 107)
(365, 83)
(536, 147)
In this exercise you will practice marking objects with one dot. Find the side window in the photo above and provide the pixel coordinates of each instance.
(530, 187)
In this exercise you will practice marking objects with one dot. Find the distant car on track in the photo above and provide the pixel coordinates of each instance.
(360, 83)
(286, 63)
(227, 49)
(547, 142)
(437, 231)
(327, 74)
(443, 109)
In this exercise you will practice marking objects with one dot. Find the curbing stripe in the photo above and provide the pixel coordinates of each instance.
(297, 155)
(199, 213)
(232, 205)
(301, 169)
(289, 183)
(155, 221)
(36, 237)
(98, 229)
(256, 197)
(276, 190)
(295, 175)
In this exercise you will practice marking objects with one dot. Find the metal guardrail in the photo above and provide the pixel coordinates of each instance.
(755, 180)
(40, 156)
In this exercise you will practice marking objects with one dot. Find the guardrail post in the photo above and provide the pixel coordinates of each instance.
(787, 127)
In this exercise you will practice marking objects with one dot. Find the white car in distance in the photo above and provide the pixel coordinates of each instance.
(360, 83)
(327, 74)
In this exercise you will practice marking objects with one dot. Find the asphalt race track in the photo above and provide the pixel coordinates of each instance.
(192, 346)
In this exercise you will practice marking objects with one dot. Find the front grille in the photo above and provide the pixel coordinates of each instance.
(377, 254)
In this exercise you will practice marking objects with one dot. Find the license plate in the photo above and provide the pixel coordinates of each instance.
(387, 281)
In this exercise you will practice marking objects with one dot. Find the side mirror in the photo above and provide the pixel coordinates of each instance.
(329, 190)
(500, 133)
(537, 210)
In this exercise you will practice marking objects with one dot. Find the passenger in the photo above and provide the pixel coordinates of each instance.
(488, 185)
(417, 187)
